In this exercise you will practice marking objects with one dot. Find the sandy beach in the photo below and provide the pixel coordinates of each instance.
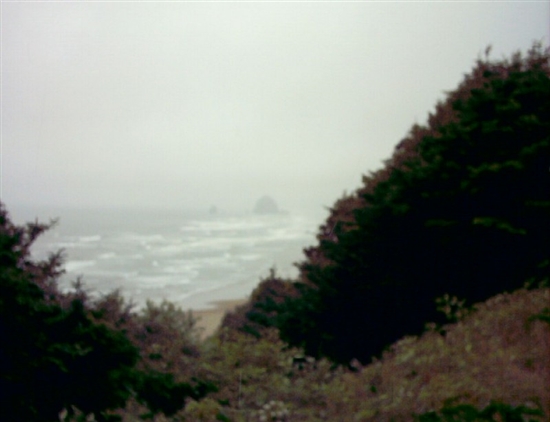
(209, 319)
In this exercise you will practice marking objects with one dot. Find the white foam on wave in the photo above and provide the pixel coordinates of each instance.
(154, 280)
(231, 224)
(222, 243)
(141, 238)
(222, 260)
(63, 245)
(175, 270)
(72, 266)
(181, 246)
(250, 257)
(157, 281)
(186, 267)
(284, 234)
(88, 239)
(147, 242)
(199, 259)
(174, 248)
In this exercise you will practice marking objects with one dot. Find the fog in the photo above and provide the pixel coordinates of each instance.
(189, 105)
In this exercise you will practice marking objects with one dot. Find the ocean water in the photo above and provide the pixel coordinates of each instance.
(189, 258)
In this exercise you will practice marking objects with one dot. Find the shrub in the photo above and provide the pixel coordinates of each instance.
(262, 309)
(52, 356)
(461, 209)
(65, 353)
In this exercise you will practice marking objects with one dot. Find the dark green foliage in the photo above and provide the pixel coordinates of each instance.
(163, 394)
(52, 356)
(467, 213)
(262, 309)
(543, 316)
(59, 352)
(221, 417)
(494, 412)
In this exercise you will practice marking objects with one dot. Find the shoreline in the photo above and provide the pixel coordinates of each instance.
(209, 320)
(209, 299)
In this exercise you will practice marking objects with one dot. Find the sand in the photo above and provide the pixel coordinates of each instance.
(210, 319)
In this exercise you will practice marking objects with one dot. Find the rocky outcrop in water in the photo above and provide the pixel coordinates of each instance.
(266, 205)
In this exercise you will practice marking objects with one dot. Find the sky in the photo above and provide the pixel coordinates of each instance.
(188, 105)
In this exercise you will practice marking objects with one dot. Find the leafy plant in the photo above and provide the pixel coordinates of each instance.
(460, 209)
(494, 412)
(63, 353)
(52, 356)
(453, 308)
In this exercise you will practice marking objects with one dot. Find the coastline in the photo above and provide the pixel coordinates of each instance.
(209, 320)
(210, 307)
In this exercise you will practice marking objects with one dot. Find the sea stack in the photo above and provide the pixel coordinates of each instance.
(266, 205)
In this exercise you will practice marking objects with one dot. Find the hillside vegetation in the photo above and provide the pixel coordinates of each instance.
(426, 298)
(462, 208)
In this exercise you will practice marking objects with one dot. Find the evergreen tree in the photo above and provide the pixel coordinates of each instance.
(462, 208)
(59, 352)
(52, 357)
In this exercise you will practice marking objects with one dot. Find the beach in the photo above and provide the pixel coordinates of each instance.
(206, 263)
(191, 259)
(209, 319)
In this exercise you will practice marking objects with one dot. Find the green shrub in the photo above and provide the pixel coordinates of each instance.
(461, 209)
(52, 356)
(63, 353)
(495, 412)
(262, 309)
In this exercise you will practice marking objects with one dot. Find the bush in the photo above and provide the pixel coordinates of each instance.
(52, 356)
(461, 209)
(262, 309)
(495, 412)
(61, 353)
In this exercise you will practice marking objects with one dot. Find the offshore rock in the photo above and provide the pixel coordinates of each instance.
(266, 205)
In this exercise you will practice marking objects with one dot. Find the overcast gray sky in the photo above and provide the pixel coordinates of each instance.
(187, 105)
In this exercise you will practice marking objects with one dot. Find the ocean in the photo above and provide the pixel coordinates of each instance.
(189, 258)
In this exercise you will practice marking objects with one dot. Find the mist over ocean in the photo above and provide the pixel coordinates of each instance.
(189, 258)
